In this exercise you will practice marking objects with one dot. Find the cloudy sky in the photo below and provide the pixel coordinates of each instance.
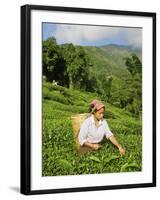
(85, 35)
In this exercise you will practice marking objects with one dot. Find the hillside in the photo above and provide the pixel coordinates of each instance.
(60, 156)
(113, 72)
(109, 58)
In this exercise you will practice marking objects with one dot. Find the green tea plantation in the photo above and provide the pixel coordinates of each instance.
(60, 156)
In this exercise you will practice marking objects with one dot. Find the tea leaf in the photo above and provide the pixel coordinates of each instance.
(110, 158)
(64, 163)
(126, 165)
(95, 158)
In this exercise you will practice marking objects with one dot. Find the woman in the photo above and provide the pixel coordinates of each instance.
(94, 128)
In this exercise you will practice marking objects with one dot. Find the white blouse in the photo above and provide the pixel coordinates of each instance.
(89, 132)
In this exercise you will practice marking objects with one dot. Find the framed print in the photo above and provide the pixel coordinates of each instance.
(88, 99)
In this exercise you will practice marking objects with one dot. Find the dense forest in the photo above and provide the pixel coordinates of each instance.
(114, 72)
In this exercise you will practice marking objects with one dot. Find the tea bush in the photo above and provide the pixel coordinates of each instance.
(59, 153)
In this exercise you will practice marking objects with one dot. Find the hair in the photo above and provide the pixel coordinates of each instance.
(92, 110)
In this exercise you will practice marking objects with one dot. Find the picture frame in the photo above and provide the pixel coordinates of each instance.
(32, 19)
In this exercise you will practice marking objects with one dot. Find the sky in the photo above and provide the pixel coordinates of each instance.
(87, 35)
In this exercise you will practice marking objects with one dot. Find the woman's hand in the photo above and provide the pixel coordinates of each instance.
(96, 146)
(92, 146)
(121, 150)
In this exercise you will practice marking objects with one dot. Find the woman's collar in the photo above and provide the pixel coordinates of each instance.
(93, 120)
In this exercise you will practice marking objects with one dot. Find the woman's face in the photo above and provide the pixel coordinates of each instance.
(99, 114)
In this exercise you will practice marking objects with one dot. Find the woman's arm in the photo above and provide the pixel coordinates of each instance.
(93, 146)
(116, 143)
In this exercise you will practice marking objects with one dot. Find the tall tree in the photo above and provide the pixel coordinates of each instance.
(133, 64)
(53, 61)
(69, 53)
(77, 63)
(105, 85)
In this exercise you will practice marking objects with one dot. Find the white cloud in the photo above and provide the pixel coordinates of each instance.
(78, 33)
(134, 37)
(99, 33)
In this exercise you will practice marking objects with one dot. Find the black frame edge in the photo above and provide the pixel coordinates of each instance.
(89, 10)
(89, 189)
(25, 101)
(154, 99)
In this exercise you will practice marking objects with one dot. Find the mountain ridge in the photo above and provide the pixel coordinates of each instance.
(110, 58)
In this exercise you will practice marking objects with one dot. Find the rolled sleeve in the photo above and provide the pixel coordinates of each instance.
(108, 132)
(83, 133)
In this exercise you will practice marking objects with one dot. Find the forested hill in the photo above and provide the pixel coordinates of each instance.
(113, 72)
(110, 58)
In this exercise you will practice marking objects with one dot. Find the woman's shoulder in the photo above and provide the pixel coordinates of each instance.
(104, 121)
(87, 120)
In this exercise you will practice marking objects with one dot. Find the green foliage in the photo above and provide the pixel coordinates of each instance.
(133, 64)
(95, 158)
(53, 61)
(104, 87)
(67, 64)
(60, 156)
(128, 166)
(77, 64)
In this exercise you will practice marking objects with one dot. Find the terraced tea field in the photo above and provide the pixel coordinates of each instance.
(60, 156)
